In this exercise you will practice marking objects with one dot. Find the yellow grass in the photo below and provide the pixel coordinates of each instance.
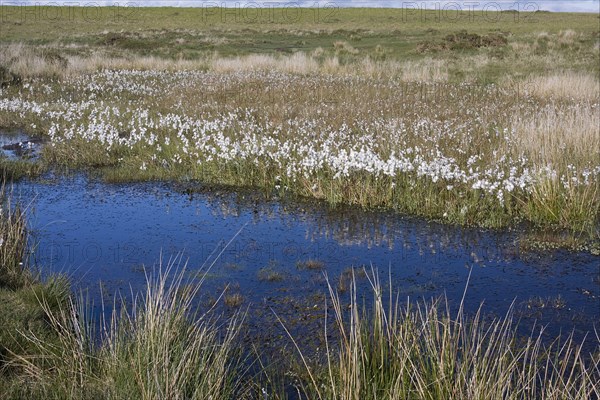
(427, 70)
(569, 137)
(565, 85)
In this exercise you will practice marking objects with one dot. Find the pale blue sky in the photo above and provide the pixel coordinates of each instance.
(549, 5)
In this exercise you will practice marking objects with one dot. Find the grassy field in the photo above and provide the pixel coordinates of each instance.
(557, 41)
(472, 118)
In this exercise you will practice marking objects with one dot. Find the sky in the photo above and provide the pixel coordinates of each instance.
(492, 5)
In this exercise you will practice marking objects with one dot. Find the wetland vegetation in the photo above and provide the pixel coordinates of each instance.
(482, 119)
(456, 120)
(161, 345)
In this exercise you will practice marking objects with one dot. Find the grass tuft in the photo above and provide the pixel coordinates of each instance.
(158, 347)
(423, 351)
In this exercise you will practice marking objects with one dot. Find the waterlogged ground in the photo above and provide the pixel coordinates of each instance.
(105, 235)
(491, 155)
(18, 145)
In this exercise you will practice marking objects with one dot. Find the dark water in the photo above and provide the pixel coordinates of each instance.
(97, 232)
(18, 145)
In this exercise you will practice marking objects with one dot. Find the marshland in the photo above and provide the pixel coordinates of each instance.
(332, 204)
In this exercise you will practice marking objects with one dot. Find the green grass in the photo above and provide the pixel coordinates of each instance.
(194, 33)
(423, 351)
(14, 170)
(14, 273)
(22, 294)
(160, 347)
(50, 23)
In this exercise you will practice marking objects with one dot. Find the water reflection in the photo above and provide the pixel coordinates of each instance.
(97, 232)
(348, 226)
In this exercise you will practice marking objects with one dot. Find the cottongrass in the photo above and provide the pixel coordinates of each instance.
(371, 133)
(424, 351)
(463, 153)
(159, 347)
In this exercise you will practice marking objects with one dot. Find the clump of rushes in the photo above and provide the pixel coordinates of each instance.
(270, 274)
(233, 300)
(157, 348)
(13, 243)
(17, 169)
(425, 352)
(21, 296)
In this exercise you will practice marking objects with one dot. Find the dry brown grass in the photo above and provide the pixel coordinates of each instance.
(342, 47)
(561, 137)
(27, 61)
(311, 264)
(297, 63)
(270, 274)
(565, 85)
(233, 300)
(302, 64)
(427, 70)
(567, 37)
(565, 140)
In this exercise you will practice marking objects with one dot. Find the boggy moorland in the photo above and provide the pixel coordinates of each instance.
(484, 119)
